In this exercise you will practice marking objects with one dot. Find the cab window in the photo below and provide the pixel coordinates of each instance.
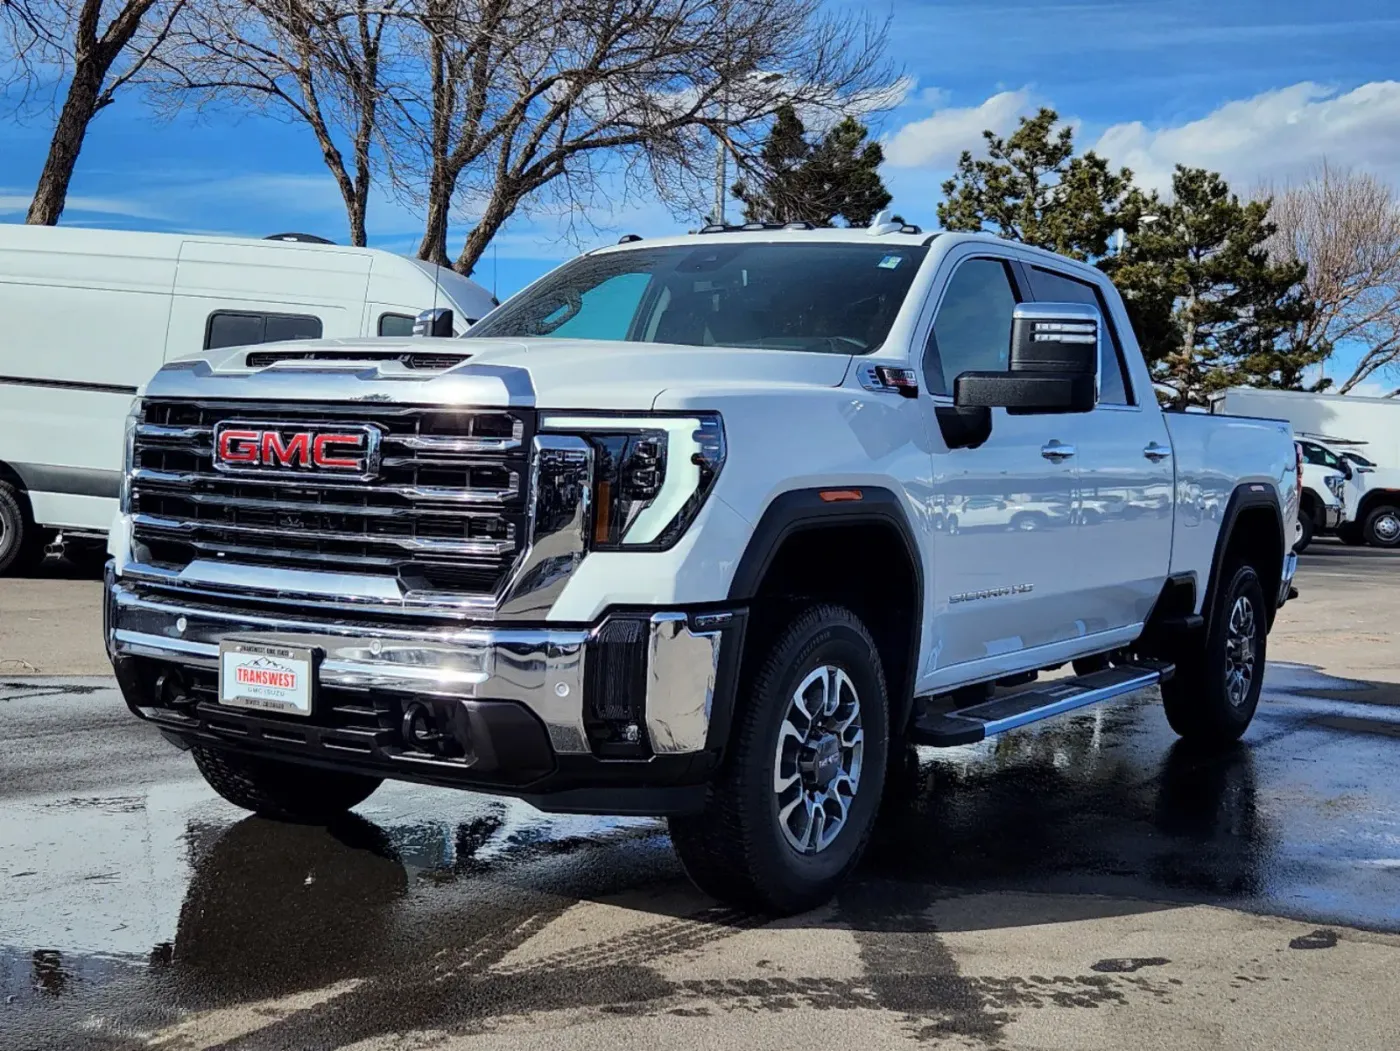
(972, 330)
(1050, 286)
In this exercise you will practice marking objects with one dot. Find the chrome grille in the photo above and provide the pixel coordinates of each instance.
(446, 513)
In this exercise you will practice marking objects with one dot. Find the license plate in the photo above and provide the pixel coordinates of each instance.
(270, 678)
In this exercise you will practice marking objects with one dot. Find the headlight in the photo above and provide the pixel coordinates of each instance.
(652, 474)
(129, 456)
(1337, 484)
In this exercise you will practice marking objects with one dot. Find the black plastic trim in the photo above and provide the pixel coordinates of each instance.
(99, 388)
(70, 481)
(1247, 495)
(799, 510)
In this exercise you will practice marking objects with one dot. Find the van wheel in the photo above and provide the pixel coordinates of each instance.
(287, 791)
(790, 812)
(21, 541)
(1215, 691)
(1383, 527)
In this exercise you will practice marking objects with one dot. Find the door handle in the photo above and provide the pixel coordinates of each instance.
(1056, 451)
(1156, 453)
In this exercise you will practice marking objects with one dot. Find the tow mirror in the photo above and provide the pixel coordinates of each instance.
(1348, 472)
(1053, 364)
(436, 322)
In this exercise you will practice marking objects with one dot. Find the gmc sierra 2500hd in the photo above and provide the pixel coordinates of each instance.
(703, 527)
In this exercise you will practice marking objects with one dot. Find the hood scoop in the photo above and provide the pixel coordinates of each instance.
(419, 360)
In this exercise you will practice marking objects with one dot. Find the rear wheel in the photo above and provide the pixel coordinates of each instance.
(1383, 526)
(21, 541)
(791, 811)
(1215, 691)
(1305, 522)
(1350, 533)
(287, 791)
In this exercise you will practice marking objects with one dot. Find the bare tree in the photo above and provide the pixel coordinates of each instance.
(564, 102)
(1345, 226)
(98, 47)
(324, 63)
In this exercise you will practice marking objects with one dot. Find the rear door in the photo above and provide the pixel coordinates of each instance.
(1123, 506)
(1004, 510)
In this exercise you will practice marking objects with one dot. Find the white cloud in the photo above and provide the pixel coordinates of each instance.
(1274, 136)
(937, 140)
(13, 202)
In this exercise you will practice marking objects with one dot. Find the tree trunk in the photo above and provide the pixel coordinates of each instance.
(434, 245)
(498, 210)
(79, 108)
(357, 217)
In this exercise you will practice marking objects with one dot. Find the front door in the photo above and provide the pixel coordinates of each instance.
(1005, 549)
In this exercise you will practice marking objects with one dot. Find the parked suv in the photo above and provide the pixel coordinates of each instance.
(667, 533)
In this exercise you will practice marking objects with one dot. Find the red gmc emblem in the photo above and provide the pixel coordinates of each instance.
(241, 446)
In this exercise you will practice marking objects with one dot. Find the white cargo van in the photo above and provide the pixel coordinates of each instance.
(87, 316)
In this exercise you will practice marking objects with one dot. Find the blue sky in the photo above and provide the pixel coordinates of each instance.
(1259, 89)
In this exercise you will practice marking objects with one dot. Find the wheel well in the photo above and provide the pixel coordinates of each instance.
(1372, 500)
(1255, 538)
(10, 475)
(864, 566)
(1311, 504)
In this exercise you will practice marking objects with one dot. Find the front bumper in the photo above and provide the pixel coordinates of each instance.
(623, 716)
(1331, 518)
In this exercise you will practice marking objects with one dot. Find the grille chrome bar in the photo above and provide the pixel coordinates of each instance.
(435, 493)
(431, 544)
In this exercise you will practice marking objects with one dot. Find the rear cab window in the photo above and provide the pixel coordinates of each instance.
(1051, 286)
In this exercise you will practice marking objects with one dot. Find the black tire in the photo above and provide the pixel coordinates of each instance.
(285, 791)
(1027, 522)
(21, 541)
(1350, 534)
(1198, 699)
(1306, 537)
(1382, 527)
(736, 849)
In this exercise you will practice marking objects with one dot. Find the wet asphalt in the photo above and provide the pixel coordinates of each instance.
(133, 900)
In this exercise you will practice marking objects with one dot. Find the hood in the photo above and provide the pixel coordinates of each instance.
(557, 373)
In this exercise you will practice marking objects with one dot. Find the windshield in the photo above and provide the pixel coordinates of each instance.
(1358, 459)
(839, 298)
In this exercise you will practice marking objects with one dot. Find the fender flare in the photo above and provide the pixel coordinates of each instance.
(800, 510)
(1247, 496)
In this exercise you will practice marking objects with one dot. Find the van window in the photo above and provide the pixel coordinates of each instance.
(1050, 287)
(395, 325)
(236, 328)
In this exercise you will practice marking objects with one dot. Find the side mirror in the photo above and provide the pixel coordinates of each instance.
(1348, 472)
(1053, 367)
(436, 322)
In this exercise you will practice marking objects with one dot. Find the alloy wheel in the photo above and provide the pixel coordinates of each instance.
(817, 765)
(1240, 646)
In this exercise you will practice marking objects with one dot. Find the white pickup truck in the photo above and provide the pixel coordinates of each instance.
(705, 527)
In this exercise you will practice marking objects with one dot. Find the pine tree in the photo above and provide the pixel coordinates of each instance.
(1033, 188)
(1210, 309)
(795, 179)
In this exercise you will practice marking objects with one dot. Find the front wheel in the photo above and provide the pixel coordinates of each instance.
(1305, 537)
(21, 541)
(1383, 527)
(791, 810)
(1215, 691)
(286, 791)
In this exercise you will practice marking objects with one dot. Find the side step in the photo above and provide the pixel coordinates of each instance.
(972, 724)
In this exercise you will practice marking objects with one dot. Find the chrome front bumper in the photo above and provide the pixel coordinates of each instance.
(544, 670)
(1331, 518)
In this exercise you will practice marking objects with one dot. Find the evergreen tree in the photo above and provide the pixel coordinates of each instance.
(1210, 308)
(1033, 188)
(795, 179)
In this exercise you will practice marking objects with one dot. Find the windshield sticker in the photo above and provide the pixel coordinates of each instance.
(891, 261)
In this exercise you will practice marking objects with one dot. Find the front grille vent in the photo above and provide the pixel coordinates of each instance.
(446, 512)
(261, 359)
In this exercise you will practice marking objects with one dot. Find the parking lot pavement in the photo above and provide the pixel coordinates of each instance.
(1088, 884)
